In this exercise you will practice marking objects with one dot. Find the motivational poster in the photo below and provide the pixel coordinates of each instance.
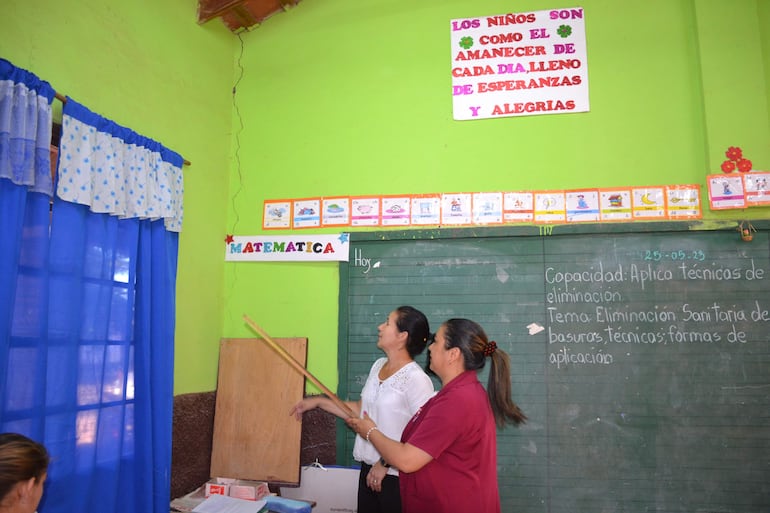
(519, 64)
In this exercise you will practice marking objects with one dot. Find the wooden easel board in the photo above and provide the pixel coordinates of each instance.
(254, 435)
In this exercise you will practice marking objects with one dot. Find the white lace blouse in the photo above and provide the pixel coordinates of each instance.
(390, 404)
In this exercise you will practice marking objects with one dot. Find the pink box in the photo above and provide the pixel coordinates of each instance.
(249, 490)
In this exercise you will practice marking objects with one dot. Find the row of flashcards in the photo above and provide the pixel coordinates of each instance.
(729, 191)
(487, 208)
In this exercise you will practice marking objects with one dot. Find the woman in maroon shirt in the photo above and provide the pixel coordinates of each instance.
(447, 456)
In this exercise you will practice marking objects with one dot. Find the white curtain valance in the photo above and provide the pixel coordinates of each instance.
(25, 128)
(114, 170)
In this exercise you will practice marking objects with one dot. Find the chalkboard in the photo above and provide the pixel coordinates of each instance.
(648, 386)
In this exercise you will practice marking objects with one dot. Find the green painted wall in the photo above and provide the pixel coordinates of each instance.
(149, 66)
(734, 79)
(347, 97)
(764, 21)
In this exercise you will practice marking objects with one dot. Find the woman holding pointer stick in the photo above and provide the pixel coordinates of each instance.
(448, 451)
(395, 390)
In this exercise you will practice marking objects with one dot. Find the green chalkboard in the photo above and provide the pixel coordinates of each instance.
(640, 353)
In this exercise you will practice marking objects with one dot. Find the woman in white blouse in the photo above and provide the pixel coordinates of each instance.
(396, 388)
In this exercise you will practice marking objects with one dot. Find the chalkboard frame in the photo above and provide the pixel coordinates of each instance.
(668, 227)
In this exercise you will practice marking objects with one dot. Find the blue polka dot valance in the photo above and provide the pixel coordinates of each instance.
(114, 170)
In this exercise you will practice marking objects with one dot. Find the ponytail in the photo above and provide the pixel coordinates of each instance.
(475, 347)
(499, 391)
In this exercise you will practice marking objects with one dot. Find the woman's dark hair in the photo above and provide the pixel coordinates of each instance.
(472, 341)
(21, 459)
(415, 324)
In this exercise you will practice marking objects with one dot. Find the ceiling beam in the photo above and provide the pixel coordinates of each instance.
(217, 9)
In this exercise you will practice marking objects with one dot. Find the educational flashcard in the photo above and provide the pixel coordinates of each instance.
(306, 213)
(456, 209)
(683, 201)
(493, 208)
(395, 210)
(519, 64)
(276, 215)
(756, 185)
(365, 211)
(487, 208)
(335, 211)
(582, 205)
(615, 204)
(426, 209)
(648, 202)
(550, 207)
(518, 207)
(725, 191)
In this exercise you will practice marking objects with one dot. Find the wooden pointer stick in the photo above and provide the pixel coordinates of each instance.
(298, 366)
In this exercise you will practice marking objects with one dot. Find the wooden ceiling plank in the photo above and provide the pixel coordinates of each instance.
(208, 9)
(240, 15)
(247, 17)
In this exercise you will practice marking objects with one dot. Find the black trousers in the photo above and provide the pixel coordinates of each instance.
(386, 501)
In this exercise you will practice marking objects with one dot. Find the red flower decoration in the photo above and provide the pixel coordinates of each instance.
(734, 153)
(728, 166)
(735, 161)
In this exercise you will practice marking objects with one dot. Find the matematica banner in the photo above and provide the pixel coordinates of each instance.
(297, 248)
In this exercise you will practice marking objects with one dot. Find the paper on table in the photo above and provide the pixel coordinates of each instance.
(225, 504)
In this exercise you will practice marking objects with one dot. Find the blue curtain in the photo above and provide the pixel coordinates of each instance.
(25, 189)
(87, 309)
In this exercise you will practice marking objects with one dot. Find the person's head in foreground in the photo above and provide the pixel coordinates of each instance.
(23, 469)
